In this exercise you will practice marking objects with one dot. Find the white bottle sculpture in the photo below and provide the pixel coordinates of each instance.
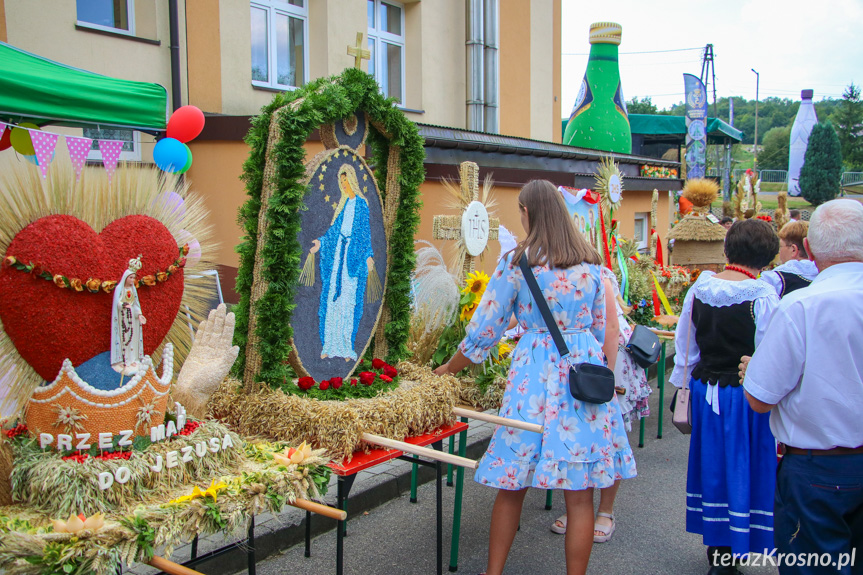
(803, 124)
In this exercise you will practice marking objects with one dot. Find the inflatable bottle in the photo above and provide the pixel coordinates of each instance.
(803, 124)
(599, 120)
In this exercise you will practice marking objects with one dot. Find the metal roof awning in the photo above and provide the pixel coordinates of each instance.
(657, 129)
(41, 90)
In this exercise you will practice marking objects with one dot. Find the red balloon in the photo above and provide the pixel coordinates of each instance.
(186, 124)
(6, 140)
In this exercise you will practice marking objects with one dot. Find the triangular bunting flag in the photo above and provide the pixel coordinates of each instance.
(79, 148)
(110, 155)
(2, 130)
(44, 144)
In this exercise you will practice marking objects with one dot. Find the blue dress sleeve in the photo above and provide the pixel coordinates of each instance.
(597, 328)
(491, 317)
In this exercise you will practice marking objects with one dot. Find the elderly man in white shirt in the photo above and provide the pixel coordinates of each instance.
(808, 371)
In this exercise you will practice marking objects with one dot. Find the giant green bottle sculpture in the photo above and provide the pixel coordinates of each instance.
(599, 120)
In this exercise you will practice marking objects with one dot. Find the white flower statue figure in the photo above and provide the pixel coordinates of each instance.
(127, 339)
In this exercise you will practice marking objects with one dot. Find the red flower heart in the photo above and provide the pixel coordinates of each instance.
(367, 377)
(48, 324)
(324, 385)
(378, 363)
(336, 382)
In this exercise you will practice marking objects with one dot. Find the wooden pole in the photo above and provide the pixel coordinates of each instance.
(662, 332)
(325, 510)
(421, 451)
(170, 567)
(497, 420)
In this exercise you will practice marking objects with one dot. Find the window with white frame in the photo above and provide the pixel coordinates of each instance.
(131, 150)
(387, 46)
(280, 56)
(641, 231)
(113, 15)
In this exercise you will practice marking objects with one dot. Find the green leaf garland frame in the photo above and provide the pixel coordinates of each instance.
(324, 101)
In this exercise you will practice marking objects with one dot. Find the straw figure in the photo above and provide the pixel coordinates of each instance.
(698, 242)
(780, 215)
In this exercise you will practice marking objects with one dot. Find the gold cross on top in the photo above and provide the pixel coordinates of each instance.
(358, 52)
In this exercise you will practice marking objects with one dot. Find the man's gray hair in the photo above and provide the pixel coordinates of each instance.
(836, 231)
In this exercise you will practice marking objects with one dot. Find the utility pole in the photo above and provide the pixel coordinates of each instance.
(757, 81)
(708, 68)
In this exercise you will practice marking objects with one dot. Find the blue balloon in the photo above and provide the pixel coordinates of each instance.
(170, 155)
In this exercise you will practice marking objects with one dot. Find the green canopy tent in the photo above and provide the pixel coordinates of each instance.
(43, 91)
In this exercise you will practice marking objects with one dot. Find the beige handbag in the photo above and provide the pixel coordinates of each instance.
(682, 410)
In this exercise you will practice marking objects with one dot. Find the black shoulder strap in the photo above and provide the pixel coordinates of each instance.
(543, 306)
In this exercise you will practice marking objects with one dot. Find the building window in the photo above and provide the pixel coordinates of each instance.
(641, 234)
(113, 15)
(387, 45)
(279, 54)
(131, 150)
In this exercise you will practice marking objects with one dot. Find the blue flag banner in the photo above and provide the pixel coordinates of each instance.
(696, 127)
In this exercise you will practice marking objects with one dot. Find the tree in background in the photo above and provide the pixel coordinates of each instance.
(848, 118)
(643, 106)
(774, 153)
(822, 165)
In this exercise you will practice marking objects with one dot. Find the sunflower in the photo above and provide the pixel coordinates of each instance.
(476, 283)
(503, 351)
(467, 311)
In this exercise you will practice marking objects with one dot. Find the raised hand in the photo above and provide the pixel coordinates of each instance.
(208, 362)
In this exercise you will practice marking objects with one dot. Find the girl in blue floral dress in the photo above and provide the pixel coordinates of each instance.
(583, 445)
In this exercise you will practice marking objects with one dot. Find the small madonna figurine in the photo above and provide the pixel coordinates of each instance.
(127, 339)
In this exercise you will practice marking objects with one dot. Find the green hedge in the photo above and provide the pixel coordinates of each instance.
(326, 100)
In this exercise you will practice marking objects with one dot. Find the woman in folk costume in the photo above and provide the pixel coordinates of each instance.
(796, 269)
(583, 445)
(732, 454)
(346, 262)
(629, 377)
(127, 338)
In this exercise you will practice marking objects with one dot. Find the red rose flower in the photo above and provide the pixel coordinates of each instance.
(354, 381)
(386, 379)
(390, 371)
(336, 382)
(367, 377)
(306, 383)
(9, 261)
(181, 262)
(378, 363)
(324, 385)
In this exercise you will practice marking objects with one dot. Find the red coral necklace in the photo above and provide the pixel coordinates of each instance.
(741, 270)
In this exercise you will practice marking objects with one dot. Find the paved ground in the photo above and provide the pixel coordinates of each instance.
(398, 537)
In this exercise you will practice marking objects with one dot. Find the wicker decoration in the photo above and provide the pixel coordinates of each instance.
(698, 242)
(70, 405)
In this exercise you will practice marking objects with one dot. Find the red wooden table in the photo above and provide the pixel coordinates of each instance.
(346, 473)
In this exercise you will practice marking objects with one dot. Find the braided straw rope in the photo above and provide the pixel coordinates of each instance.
(259, 284)
(391, 206)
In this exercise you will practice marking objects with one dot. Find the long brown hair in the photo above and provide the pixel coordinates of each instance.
(552, 238)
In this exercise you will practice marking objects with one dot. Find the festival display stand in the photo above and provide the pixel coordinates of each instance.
(92, 435)
(325, 280)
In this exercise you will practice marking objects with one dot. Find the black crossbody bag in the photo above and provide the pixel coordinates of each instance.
(587, 382)
(643, 346)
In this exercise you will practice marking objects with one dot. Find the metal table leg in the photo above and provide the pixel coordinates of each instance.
(438, 445)
(343, 489)
(456, 514)
(414, 469)
(660, 380)
(250, 546)
(308, 533)
(548, 496)
(449, 466)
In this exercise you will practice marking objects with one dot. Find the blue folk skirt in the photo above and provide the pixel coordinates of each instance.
(731, 477)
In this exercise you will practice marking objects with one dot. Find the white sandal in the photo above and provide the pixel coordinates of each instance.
(606, 530)
(559, 529)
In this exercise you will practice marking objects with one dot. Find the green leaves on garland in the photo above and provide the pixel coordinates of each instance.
(324, 101)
